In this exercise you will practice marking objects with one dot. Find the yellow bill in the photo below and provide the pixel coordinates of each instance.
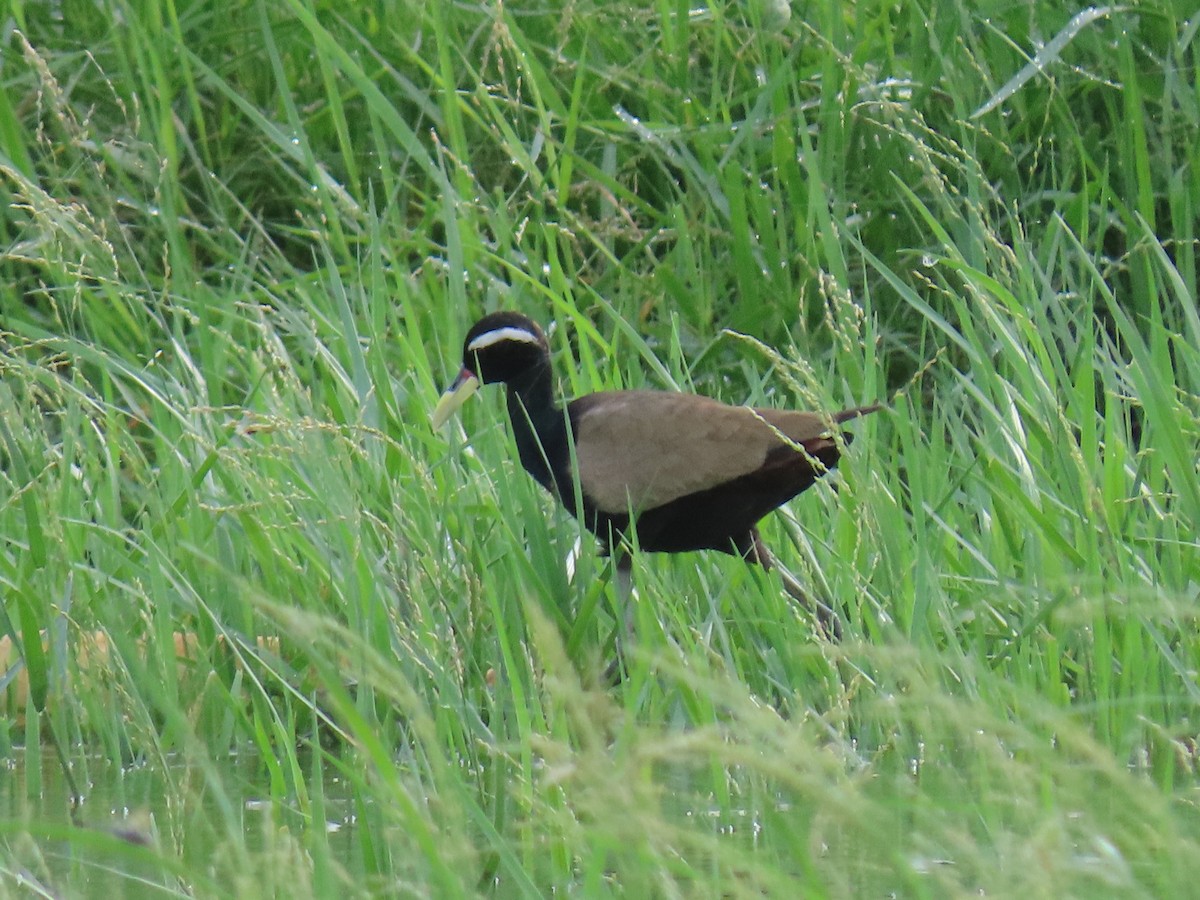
(456, 395)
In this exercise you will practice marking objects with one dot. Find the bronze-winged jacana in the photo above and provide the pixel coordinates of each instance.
(684, 472)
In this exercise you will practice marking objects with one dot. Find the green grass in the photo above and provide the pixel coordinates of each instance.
(240, 246)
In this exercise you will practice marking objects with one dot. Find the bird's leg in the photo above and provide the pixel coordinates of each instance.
(625, 594)
(625, 613)
(755, 551)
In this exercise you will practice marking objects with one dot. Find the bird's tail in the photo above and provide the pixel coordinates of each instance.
(856, 413)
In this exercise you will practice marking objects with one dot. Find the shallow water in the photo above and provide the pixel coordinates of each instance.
(140, 827)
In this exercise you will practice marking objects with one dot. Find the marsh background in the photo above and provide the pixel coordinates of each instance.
(239, 246)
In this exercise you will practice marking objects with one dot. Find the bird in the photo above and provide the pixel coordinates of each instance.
(666, 471)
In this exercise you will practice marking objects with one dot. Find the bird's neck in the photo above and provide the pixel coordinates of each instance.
(538, 426)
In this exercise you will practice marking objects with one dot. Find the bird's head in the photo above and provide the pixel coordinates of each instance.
(499, 348)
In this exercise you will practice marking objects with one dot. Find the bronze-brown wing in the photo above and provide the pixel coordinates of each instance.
(641, 449)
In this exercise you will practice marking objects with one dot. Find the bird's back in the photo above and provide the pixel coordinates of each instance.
(639, 450)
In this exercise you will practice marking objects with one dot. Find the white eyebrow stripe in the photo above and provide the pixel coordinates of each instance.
(508, 333)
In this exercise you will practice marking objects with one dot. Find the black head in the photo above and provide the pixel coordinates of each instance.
(503, 346)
